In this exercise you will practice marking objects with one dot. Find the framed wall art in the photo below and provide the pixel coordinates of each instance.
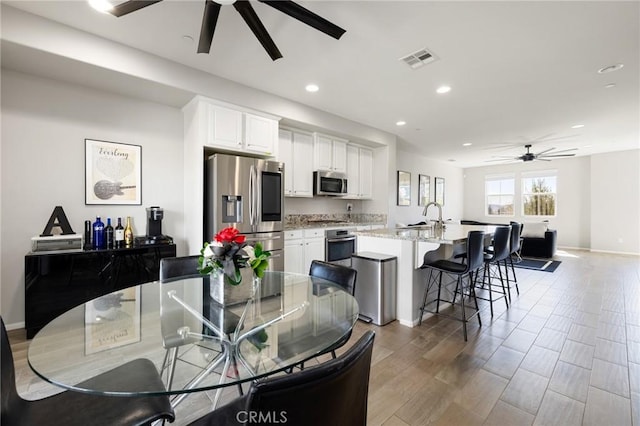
(112, 320)
(113, 173)
(439, 191)
(423, 190)
(404, 188)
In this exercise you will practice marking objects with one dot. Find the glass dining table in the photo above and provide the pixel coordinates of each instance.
(289, 319)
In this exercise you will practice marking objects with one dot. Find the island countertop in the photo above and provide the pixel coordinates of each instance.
(451, 234)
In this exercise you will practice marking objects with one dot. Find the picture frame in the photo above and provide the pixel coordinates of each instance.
(424, 189)
(112, 320)
(438, 196)
(404, 188)
(113, 173)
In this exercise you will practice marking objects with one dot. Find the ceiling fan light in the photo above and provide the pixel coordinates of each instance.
(102, 6)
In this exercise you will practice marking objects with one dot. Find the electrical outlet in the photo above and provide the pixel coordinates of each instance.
(349, 207)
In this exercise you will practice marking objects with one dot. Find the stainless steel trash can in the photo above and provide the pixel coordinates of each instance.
(375, 286)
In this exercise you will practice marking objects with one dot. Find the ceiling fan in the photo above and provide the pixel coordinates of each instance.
(244, 8)
(545, 155)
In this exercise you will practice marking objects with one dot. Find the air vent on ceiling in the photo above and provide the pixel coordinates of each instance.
(419, 58)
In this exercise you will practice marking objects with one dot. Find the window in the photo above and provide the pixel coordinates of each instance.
(539, 194)
(499, 191)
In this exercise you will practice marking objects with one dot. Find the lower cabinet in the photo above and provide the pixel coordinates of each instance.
(57, 282)
(301, 246)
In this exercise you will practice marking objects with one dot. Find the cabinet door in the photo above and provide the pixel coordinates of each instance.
(366, 173)
(259, 133)
(302, 175)
(313, 250)
(339, 156)
(322, 152)
(353, 171)
(225, 127)
(294, 256)
(285, 150)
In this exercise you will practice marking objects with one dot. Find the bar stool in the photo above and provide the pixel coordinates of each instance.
(492, 270)
(475, 258)
(516, 229)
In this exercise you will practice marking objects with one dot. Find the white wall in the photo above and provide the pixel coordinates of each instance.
(615, 202)
(453, 178)
(589, 194)
(44, 124)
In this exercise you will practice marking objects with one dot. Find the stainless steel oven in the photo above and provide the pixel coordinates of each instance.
(340, 244)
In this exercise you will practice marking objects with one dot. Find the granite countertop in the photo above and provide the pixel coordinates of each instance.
(451, 234)
(328, 225)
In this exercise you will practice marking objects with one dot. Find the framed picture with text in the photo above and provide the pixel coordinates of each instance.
(113, 173)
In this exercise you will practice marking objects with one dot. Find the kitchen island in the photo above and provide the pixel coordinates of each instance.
(412, 246)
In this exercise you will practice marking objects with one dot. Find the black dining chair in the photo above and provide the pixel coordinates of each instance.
(332, 393)
(342, 275)
(492, 272)
(70, 408)
(474, 260)
(171, 269)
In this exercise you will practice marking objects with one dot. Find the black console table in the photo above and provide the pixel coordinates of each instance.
(57, 281)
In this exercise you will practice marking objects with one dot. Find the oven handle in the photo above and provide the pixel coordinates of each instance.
(337, 240)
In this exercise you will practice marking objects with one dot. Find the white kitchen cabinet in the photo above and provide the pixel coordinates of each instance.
(238, 130)
(260, 133)
(224, 127)
(295, 149)
(359, 172)
(329, 153)
(301, 247)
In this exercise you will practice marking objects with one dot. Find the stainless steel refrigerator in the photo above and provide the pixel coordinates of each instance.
(248, 194)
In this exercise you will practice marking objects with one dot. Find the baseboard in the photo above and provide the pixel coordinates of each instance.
(15, 326)
(625, 253)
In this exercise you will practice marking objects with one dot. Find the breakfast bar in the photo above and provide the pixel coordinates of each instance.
(412, 245)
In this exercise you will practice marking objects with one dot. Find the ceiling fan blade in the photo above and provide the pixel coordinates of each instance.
(545, 151)
(249, 15)
(131, 6)
(557, 155)
(306, 16)
(565, 150)
(542, 159)
(209, 21)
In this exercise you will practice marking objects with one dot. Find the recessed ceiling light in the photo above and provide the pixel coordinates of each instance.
(400, 123)
(311, 88)
(467, 144)
(577, 126)
(610, 86)
(187, 38)
(610, 68)
(102, 6)
(443, 89)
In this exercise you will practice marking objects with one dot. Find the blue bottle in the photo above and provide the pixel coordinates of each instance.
(99, 241)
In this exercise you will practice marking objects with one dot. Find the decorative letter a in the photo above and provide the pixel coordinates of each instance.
(58, 218)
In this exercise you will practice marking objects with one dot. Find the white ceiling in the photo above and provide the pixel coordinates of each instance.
(520, 72)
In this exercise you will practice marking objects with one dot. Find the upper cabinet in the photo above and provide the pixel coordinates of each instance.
(235, 128)
(359, 172)
(295, 150)
(329, 153)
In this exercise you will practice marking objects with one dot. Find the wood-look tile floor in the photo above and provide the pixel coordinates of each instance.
(566, 352)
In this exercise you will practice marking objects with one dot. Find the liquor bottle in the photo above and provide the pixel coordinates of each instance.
(119, 234)
(108, 234)
(87, 235)
(98, 234)
(128, 233)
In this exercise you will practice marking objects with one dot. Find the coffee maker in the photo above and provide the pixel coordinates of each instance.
(154, 228)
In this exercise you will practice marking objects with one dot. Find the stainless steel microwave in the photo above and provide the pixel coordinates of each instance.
(329, 183)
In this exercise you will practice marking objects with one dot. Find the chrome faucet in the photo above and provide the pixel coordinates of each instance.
(439, 223)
